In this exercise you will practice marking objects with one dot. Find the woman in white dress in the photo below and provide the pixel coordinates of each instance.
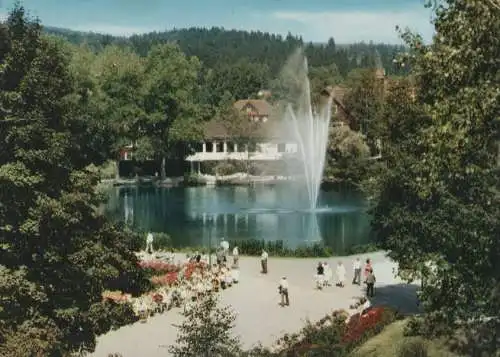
(328, 274)
(341, 274)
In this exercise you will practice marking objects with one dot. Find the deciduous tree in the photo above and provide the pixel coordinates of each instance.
(57, 254)
(438, 203)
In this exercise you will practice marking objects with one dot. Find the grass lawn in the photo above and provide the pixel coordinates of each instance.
(388, 344)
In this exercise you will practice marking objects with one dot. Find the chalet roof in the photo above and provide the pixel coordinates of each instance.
(216, 129)
(262, 106)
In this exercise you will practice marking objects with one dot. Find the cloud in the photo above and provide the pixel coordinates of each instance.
(113, 29)
(355, 26)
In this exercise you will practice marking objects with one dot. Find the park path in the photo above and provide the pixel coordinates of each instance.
(255, 300)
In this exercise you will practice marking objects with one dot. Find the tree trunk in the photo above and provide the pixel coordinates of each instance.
(163, 168)
(117, 169)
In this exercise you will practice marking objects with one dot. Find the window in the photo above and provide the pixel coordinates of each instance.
(252, 147)
(209, 146)
(281, 147)
(230, 147)
(198, 147)
(220, 147)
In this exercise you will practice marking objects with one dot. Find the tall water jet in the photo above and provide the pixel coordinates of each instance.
(306, 126)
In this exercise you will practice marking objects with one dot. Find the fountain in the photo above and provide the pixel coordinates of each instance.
(306, 126)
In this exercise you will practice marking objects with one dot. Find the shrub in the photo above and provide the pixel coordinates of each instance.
(161, 240)
(277, 248)
(332, 336)
(206, 331)
(413, 347)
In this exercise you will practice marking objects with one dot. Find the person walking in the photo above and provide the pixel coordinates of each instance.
(357, 272)
(149, 243)
(263, 261)
(370, 283)
(283, 291)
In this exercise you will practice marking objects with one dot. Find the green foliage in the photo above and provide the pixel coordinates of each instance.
(348, 155)
(161, 240)
(57, 253)
(437, 210)
(206, 331)
(416, 347)
(217, 47)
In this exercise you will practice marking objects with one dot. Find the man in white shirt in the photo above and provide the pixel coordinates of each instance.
(149, 243)
(263, 261)
(283, 291)
(357, 272)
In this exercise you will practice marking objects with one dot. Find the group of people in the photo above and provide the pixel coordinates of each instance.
(324, 275)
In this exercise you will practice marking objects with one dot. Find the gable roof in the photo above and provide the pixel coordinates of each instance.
(216, 129)
(262, 106)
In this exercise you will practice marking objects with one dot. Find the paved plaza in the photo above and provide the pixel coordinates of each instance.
(255, 299)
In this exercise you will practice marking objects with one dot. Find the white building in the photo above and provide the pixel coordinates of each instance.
(264, 146)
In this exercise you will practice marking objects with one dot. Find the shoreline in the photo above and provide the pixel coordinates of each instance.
(213, 181)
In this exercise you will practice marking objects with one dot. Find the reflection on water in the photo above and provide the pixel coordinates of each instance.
(191, 215)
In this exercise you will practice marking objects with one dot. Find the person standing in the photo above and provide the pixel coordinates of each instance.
(320, 275)
(370, 283)
(283, 291)
(149, 243)
(219, 256)
(368, 267)
(236, 256)
(341, 274)
(263, 261)
(357, 272)
(328, 274)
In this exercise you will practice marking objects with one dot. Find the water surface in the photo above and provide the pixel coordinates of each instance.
(194, 216)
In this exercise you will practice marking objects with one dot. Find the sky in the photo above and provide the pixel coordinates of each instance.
(346, 21)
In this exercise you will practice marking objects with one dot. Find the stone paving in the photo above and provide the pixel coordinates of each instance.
(256, 302)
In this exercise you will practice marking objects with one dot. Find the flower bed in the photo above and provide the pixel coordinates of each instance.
(336, 334)
(175, 285)
(159, 266)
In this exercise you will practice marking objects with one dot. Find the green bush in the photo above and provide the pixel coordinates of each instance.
(251, 247)
(362, 248)
(161, 240)
(107, 170)
(413, 347)
(277, 248)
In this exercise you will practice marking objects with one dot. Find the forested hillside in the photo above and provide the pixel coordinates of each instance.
(217, 46)
(145, 85)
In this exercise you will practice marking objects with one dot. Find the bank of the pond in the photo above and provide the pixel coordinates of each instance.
(328, 183)
(254, 247)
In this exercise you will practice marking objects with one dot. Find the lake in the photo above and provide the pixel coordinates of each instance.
(195, 216)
